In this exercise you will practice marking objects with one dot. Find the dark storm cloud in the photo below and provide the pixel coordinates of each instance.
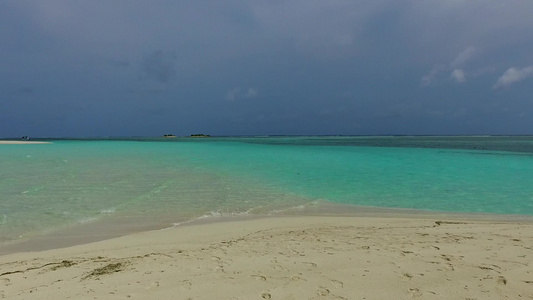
(159, 66)
(122, 63)
(20, 91)
(265, 67)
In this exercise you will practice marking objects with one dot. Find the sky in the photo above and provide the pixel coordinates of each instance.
(99, 68)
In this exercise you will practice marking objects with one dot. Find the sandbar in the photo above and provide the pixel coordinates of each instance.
(287, 257)
(22, 142)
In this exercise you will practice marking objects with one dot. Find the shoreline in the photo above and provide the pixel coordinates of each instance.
(113, 227)
(287, 257)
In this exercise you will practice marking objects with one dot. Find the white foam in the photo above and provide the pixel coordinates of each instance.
(217, 214)
(297, 207)
(188, 221)
(87, 220)
(108, 211)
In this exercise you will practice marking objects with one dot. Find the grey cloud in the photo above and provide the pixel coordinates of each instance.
(513, 75)
(464, 56)
(430, 78)
(458, 75)
(231, 95)
(122, 63)
(159, 66)
(24, 90)
(251, 93)
(316, 28)
(236, 94)
(302, 52)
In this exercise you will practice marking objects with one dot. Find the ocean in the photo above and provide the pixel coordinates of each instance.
(139, 183)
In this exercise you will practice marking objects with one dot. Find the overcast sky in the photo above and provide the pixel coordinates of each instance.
(244, 67)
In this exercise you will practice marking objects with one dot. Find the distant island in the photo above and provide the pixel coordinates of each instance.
(192, 135)
(200, 135)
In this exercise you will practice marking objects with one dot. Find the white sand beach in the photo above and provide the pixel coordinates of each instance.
(297, 257)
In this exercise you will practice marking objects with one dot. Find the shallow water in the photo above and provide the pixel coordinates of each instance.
(158, 182)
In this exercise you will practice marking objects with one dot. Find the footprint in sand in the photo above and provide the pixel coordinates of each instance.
(415, 292)
(259, 277)
(501, 280)
(186, 284)
(322, 291)
(338, 284)
(310, 263)
(153, 285)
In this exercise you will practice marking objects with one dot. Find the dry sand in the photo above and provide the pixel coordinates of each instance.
(287, 258)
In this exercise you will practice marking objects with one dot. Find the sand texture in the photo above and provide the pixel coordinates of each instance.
(287, 258)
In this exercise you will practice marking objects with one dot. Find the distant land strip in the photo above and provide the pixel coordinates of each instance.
(21, 142)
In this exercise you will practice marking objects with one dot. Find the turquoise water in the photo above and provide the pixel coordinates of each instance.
(44, 187)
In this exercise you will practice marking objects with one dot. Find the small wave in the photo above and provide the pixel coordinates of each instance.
(108, 211)
(87, 220)
(292, 208)
(188, 221)
(4, 220)
(218, 214)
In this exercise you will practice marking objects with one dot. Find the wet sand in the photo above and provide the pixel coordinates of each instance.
(291, 257)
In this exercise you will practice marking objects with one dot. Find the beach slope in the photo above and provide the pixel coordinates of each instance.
(287, 258)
